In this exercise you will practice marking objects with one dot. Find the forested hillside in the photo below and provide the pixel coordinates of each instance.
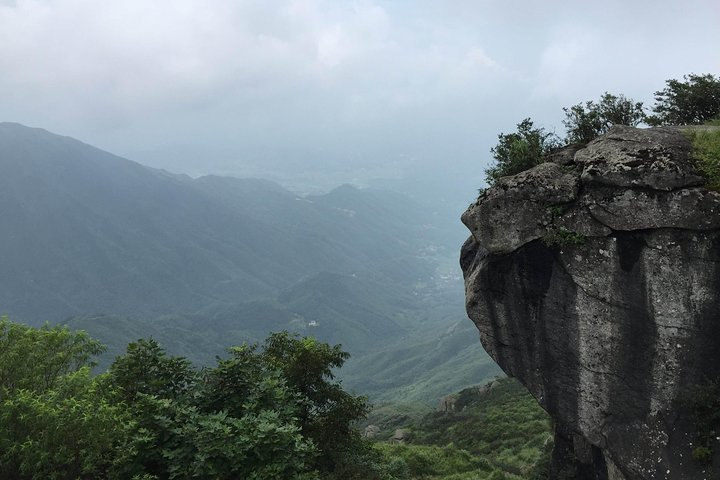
(123, 251)
(491, 432)
(87, 232)
(272, 410)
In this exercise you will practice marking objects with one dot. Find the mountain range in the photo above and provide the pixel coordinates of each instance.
(122, 250)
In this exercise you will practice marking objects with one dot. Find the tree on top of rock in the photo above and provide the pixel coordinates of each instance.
(588, 121)
(690, 102)
(520, 151)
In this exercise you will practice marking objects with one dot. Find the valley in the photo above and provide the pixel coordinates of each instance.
(103, 244)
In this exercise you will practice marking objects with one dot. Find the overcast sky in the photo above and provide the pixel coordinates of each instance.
(322, 92)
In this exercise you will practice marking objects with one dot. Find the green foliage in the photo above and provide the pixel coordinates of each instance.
(558, 210)
(703, 401)
(541, 469)
(35, 359)
(706, 151)
(147, 369)
(520, 151)
(56, 421)
(562, 236)
(388, 417)
(70, 431)
(262, 413)
(702, 454)
(504, 423)
(176, 440)
(277, 405)
(499, 432)
(585, 122)
(327, 412)
(431, 461)
(689, 102)
(245, 384)
(363, 461)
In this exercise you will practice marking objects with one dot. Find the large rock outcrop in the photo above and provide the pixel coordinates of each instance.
(595, 280)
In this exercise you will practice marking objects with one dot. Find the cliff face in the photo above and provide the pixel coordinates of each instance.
(595, 280)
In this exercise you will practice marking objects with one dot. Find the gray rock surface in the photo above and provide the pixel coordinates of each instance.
(529, 195)
(612, 328)
(400, 435)
(371, 431)
(447, 403)
(690, 208)
(657, 158)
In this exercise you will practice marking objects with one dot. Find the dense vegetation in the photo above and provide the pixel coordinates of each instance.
(585, 122)
(706, 149)
(492, 433)
(262, 413)
(694, 101)
(521, 150)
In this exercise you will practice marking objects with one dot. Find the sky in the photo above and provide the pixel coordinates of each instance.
(314, 93)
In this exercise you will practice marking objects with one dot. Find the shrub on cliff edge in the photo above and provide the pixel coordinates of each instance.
(520, 151)
(586, 121)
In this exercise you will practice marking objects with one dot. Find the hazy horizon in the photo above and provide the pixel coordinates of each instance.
(314, 93)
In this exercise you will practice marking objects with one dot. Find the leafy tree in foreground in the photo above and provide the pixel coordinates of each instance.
(36, 359)
(177, 440)
(327, 412)
(690, 102)
(586, 122)
(56, 421)
(244, 383)
(69, 432)
(263, 413)
(147, 369)
(270, 412)
(520, 151)
(238, 420)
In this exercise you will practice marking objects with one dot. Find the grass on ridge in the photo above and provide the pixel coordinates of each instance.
(706, 152)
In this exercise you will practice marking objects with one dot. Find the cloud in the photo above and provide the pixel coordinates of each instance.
(561, 61)
(122, 59)
(290, 85)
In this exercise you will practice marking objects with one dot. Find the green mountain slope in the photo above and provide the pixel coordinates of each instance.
(423, 366)
(329, 307)
(88, 232)
(493, 432)
(125, 251)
